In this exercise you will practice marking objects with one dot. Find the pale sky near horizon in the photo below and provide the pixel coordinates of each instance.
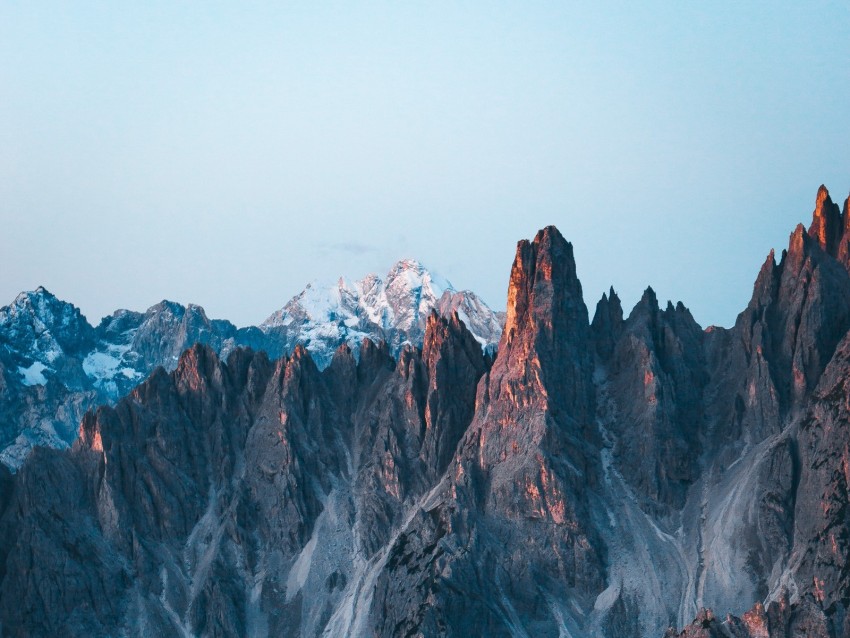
(228, 153)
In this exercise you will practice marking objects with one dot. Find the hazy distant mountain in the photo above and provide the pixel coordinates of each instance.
(55, 366)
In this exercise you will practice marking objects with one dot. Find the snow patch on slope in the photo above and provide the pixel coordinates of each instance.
(104, 366)
(34, 374)
(101, 365)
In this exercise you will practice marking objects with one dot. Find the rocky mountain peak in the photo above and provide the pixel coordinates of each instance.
(34, 297)
(42, 305)
(392, 309)
(543, 274)
(440, 329)
(171, 307)
(417, 272)
(799, 310)
(826, 226)
(412, 291)
(797, 243)
(766, 280)
(545, 348)
(607, 323)
(829, 227)
(299, 374)
(343, 359)
(648, 303)
(612, 298)
(609, 304)
(47, 325)
(197, 366)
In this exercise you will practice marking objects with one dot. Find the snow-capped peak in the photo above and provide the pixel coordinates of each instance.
(44, 327)
(393, 309)
(38, 302)
(412, 275)
(407, 286)
(42, 308)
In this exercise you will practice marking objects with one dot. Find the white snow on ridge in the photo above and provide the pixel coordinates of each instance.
(408, 286)
(394, 309)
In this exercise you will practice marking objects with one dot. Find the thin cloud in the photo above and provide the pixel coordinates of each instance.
(348, 247)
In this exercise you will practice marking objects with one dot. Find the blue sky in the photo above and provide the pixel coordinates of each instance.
(227, 153)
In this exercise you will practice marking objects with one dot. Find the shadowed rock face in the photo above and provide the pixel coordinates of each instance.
(197, 503)
(625, 477)
(656, 376)
(822, 541)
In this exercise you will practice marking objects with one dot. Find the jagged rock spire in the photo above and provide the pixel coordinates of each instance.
(543, 273)
(546, 338)
(828, 224)
(607, 323)
(800, 309)
(829, 230)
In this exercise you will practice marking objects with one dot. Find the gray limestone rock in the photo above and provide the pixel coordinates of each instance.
(618, 478)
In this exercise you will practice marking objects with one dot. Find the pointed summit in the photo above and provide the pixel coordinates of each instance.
(543, 281)
(394, 308)
(799, 242)
(827, 226)
(35, 298)
(799, 310)
(411, 273)
(607, 323)
(649, 297)
(40, 322)
(546, 345)
(170, 308)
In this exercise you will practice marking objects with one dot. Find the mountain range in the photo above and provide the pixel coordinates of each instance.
(622, 476)
(54, 365)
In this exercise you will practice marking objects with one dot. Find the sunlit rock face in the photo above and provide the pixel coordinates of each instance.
(631, 476)
(505, 541)
(829, 227)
